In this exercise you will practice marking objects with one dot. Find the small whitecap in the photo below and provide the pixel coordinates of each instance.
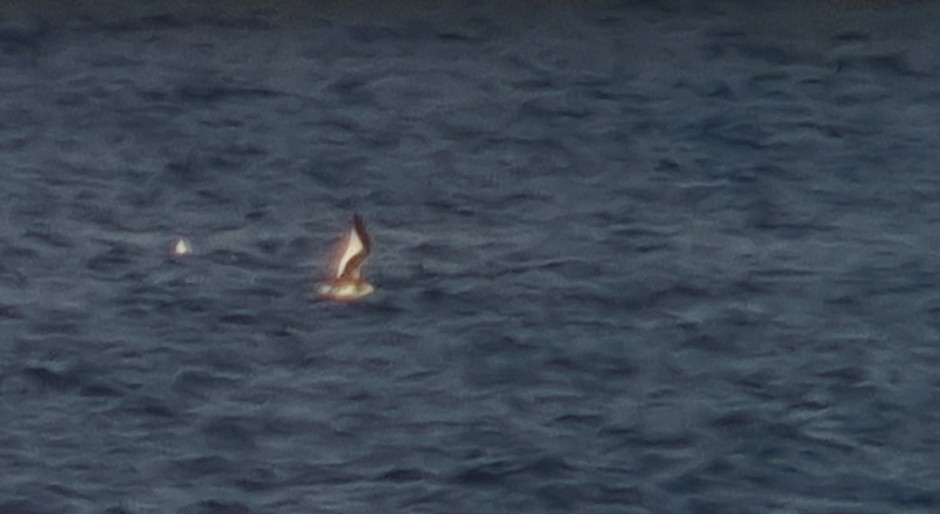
(182, 247)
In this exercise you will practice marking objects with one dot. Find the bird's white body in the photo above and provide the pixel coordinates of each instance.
(345, 290)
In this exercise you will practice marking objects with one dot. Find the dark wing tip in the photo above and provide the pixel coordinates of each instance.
(360, 227)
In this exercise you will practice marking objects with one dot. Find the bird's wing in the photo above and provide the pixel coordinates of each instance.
(353, 250)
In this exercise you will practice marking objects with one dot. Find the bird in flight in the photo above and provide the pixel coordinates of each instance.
(345, 281)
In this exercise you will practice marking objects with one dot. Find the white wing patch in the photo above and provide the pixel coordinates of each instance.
(352, 246)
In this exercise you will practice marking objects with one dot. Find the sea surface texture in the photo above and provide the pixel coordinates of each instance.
(629, 257)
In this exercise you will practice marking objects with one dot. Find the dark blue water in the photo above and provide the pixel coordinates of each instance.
(632, 257)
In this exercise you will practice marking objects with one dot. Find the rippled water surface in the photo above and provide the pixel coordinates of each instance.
(630, 257)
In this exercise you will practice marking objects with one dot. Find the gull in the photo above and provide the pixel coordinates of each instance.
(345, 281)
